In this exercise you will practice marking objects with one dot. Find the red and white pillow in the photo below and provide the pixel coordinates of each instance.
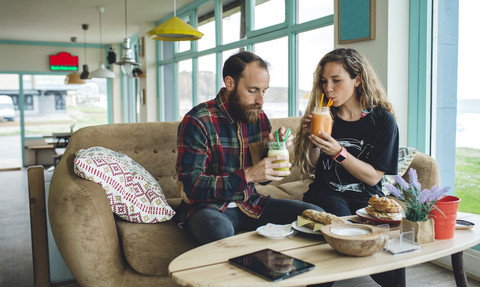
(132, 191)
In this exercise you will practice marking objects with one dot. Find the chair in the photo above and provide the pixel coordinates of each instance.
(38, 227)
(60, 145)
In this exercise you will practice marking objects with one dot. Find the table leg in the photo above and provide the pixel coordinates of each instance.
(401, 276)
(458, 271)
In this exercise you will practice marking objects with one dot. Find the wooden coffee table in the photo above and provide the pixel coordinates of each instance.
(208, 265)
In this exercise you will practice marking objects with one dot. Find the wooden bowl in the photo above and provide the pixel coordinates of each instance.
(355, 239)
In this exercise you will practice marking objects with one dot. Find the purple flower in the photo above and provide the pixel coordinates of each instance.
(401, 182)
(394, 191)
(412, 174)
(424, 195)
(437, 193)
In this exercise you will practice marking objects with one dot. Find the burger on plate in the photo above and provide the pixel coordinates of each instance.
(384, 208)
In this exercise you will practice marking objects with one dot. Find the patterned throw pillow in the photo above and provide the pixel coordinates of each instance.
(405, 158)
(132, 191)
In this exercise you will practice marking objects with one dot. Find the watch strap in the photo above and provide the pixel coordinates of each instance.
(341, 156)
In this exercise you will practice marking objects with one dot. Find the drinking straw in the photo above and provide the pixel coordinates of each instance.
(330, 102)
(288, 132)
(321, 101)
(278, 142)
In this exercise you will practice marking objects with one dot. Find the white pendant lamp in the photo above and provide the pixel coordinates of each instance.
(102, 72)
(127, 62)
(85, 73)
(174, 29)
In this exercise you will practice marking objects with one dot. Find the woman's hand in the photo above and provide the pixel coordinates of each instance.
(326, 143)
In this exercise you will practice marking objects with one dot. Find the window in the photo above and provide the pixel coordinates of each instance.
(313, 9)
(268, 13)
(206, 78)
(275, 52)
(206, 25)
(272, 37)
(58, 108)
(231, 19)
(312, 45)
(467, 157)
(184, 87)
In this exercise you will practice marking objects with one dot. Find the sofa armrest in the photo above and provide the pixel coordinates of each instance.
(83, 226)
(427, 170)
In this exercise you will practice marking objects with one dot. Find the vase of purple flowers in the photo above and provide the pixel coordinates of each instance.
(418, 204)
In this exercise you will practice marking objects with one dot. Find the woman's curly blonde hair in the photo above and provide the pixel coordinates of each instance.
(370, 93)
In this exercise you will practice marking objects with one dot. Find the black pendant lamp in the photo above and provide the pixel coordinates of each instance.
(85, 73)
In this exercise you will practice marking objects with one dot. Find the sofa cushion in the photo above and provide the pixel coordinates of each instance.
(272, 191)
(133, 193)
(149, 248)
(296, 189)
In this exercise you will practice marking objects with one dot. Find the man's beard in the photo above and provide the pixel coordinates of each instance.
(243, 112)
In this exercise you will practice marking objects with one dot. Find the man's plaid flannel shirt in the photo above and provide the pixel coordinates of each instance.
(213, 151)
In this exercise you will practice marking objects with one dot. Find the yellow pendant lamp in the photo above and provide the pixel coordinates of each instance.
(74, 79)
(174, 29)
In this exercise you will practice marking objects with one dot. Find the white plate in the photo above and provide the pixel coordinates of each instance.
(304, 229)
(274, 231)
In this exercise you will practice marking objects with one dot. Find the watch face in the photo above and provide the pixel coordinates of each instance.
(340, 158)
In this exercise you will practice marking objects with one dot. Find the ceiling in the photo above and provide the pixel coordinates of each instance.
(59, 20)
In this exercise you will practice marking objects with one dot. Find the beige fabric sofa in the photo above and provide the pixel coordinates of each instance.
(101, 249)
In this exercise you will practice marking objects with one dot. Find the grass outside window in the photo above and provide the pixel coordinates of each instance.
(467, 179)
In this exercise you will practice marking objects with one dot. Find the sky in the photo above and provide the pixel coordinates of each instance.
(468, 45)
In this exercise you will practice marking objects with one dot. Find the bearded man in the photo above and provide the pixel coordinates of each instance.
(219, 161)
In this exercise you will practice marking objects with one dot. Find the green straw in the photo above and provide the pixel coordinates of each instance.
(288, 132)
(278, 142)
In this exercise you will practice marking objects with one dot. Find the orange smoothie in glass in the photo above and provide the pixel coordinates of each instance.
(278, 149)
(321, 121)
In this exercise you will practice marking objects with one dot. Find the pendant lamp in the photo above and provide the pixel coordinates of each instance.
(127, 62)
(73, 78)
(85, 74)
(174, 29)
(102, 72)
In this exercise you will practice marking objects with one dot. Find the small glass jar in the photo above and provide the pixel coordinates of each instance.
(279, 148)
(321, 121)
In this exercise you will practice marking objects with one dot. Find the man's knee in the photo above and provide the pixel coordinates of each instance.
(207, 227)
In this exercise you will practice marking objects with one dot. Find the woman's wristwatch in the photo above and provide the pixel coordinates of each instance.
(341, 156)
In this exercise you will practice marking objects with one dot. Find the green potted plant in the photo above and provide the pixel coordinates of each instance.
(418, 204)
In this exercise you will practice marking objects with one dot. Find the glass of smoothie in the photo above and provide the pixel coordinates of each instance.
(321, 121)
(278, 148)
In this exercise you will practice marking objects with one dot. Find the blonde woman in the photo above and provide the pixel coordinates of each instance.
(349, 164)
(363, 146)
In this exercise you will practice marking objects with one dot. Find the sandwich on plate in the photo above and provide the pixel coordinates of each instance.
(316, 219)
(384, 208)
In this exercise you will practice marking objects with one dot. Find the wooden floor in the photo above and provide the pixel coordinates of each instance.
(16, 268)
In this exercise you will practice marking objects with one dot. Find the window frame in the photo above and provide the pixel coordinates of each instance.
(289, 28)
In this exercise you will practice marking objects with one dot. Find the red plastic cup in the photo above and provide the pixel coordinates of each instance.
(445, 223)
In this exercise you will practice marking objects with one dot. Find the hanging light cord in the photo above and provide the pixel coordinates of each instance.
(174, 8)
(126, 19)
(85, 43)
(101, 46)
